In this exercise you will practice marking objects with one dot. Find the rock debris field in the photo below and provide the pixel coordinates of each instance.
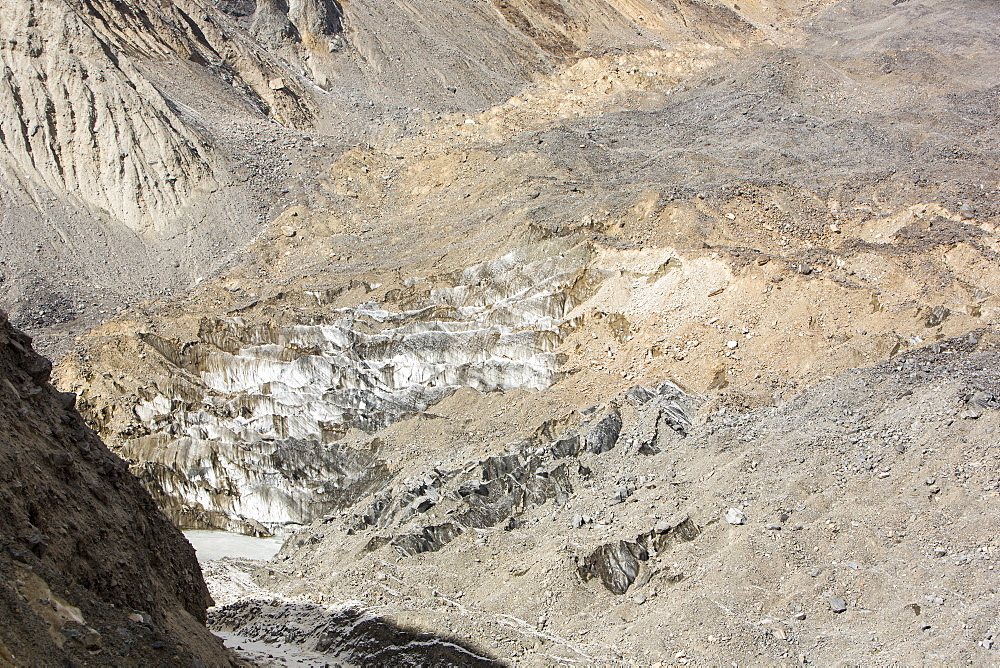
(534, 333)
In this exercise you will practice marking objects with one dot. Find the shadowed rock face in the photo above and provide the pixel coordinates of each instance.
(346, 634)
(82, 545)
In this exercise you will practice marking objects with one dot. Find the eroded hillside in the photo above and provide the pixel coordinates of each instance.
(144, 144)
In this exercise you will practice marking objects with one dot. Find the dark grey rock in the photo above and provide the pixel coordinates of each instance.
(616, 564)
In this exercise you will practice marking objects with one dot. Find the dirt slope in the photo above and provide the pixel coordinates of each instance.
(93, 573)
(873, 491)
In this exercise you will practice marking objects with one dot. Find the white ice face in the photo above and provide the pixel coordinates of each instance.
(251, 433)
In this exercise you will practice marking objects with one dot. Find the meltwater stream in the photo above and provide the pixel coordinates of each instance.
(212, 545)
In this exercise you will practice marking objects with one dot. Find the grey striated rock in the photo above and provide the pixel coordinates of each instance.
(617, 564)
(661, 411)
(603, 431)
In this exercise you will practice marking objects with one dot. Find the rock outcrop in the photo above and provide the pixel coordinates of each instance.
(91, 570)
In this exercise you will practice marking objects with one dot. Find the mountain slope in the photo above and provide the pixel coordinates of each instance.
(93, 571)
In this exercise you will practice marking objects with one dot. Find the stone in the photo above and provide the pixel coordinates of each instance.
(91, 639)
(772, 526)
(937, 315)
(735, 516)
(981, 399)
(603, 435)
(732, 344)
(837, 605)
(940, 551)
(616, 564)
(140, 617)
(667, 525)
(288, 230)
(422, 503)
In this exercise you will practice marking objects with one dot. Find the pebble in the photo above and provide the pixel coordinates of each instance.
(772, 526)
(91, 639)
(940, 551)
(735, 516)
(664, 526)
(732, 344)
(838, 605)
